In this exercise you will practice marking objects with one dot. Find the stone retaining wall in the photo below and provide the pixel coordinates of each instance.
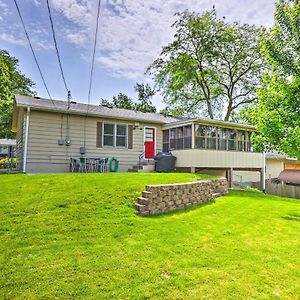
(163, 198)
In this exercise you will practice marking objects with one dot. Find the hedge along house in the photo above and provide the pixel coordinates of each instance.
(49, 133)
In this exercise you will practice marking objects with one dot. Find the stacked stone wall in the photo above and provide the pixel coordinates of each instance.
(163, 198)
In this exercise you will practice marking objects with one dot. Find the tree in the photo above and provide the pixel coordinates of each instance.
(145, 93)
(144, 104)
(277, 113)
(211, 67)
(119, 101)
(12, 81)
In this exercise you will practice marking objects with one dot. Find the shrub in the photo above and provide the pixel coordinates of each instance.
(6, 163)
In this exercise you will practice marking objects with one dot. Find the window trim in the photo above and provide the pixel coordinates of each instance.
(126, 136)
(115, 135)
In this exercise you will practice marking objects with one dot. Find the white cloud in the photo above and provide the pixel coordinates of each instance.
(132, 32)
(4, 10)
(37, 2)
(12, 39)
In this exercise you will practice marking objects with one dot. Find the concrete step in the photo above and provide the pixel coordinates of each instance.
(216, 195)
(137, 167)
(140, 207)
(147, 169)
(142, 201)
(146, 162)
(146, 194)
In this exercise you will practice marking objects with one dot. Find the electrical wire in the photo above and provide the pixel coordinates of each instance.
(33, 53)
(92, 68)
(56, 47)
(94, 52)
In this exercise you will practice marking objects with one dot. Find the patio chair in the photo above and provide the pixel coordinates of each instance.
(73, 165)
(102, 165)
(83, 164)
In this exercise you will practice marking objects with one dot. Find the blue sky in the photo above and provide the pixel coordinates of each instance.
(131, 35)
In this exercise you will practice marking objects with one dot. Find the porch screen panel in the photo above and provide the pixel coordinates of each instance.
(242, 140)
(222, 142)
(249, 142)
(166, 144)
(200, 136)
(173, 138)
(188, 137)
(231, 139)
(179, 138)
(211, 137)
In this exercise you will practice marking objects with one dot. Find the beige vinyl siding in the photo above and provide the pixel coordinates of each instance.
(246, 176)
(217, 159)
(20, 139)
(274, 167)
(45, 155)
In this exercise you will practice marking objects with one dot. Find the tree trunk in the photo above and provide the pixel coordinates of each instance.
(209, 109)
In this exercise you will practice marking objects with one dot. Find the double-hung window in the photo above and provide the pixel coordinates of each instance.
(114, 135)
(121, 135)
(108, 135)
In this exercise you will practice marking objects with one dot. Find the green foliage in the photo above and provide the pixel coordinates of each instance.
(6, 163)
(277, 113)
(76, 236)
(144, 104)
(119, 101)
(12, 81)
(145, 93)
(211, 66)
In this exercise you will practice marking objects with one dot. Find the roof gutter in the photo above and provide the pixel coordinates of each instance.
(26, 140)
(91, 114)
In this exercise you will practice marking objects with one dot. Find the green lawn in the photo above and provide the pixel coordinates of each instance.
(76, 236)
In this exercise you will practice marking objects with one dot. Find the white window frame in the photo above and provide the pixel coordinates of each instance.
(126, 136)
(115, 135)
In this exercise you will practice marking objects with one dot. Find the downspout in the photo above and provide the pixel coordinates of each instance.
(26, 140)
(264, 173)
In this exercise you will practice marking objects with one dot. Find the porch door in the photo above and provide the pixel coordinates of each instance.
(149, 142)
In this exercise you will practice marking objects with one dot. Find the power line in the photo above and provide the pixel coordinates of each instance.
(94, 52)
(92, 68)
(56, 48)
(33, 53)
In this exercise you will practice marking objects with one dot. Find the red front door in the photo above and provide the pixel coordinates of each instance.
(149, 142)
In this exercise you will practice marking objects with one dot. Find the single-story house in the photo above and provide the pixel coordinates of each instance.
(7, 148)
(50, 132)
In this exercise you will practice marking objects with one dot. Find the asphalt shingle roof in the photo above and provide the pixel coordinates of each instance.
(92, 110)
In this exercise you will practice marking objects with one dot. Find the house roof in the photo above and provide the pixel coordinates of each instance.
(209, 122)
(43, 104)
(7, 142)
(276, 155)
(38, 103)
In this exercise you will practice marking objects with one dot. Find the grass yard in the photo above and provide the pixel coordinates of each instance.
(76, 236)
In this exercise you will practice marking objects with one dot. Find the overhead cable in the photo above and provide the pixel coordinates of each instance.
(33, 53)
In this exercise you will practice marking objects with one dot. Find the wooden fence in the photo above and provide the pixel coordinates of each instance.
(283, 190)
